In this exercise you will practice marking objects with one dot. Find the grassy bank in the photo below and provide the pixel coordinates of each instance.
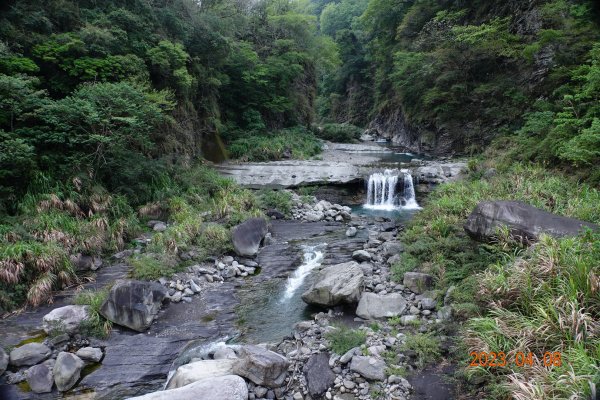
(56, 222)
(545, 298)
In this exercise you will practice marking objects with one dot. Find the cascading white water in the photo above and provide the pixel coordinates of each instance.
(409, 192)
(381, 191)
(313, 255)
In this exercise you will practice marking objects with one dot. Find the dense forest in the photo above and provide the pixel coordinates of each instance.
(117, 90)
(111, 113)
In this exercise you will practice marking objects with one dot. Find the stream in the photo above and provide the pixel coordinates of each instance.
(261, 308)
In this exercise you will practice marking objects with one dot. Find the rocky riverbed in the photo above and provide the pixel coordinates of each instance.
(165, 328)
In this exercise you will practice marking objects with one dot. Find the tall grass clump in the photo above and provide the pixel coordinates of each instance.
(95, 325)
(342, 133)
(295, 143)
(514, 298)
(280, 200)
(343, 339)
(547, 301)
(57, 221)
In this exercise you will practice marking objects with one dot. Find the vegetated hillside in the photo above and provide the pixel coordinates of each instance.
(449, 76)
(106, 89)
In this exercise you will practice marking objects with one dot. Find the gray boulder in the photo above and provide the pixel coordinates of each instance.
(392, 248)
(4, 359)
(418, 282)
(83, 262)
(66, 319)
(361, 255)
(90, 354)
(199, 370)
(229, 387)
(314, 216)
(526, 223)
(261, 366)
(133, 304)
(428, 303)
(351, 232)
(67, 370)
(369, 367)
(336, 284)
(29, 354)
(318, 373)
(41, 377)
(373, 305)
(248, 235)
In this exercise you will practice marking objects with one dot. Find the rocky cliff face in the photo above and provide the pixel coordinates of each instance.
(391, 124)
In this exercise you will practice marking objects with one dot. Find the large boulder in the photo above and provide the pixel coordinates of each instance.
(369, 367)
(4, 358)
(418, 282)
(41, 377)
(133, 304)
(373, 305)
(67, 370)
(90, 354)
(229, 387)
(67, 319)
(247, 236)
(29, 354)
(318, 373)
(261, 366)
(199, 370)
(525, 222)
(336, 284)
(83, 262)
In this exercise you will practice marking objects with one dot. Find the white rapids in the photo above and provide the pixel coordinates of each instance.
(313, 255)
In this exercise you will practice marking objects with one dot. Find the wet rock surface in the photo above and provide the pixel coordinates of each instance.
(335, 285)
(137, 363)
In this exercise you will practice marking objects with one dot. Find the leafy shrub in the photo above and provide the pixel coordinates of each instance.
(215, 239)
(296, 143)
(425, 345)
(341, 133)
(152, 266)
(280, 200)
(343, 339)
(96, 325)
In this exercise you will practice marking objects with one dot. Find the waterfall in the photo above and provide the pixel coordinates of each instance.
(409, 192)
(381, 191)
(313, 255)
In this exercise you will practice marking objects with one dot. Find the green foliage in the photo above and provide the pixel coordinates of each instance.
(215, 239)
(342, 133)
(280, 200)
(407, 263)
(151, 267)
(425, 345)
(549, 300)
(95, 325)
(568, 129)
(343, 339)
(514, 299)
(297, 143)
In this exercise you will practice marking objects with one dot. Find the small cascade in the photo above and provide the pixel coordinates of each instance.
(313, 255)
(382, 191)
(409, 192)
